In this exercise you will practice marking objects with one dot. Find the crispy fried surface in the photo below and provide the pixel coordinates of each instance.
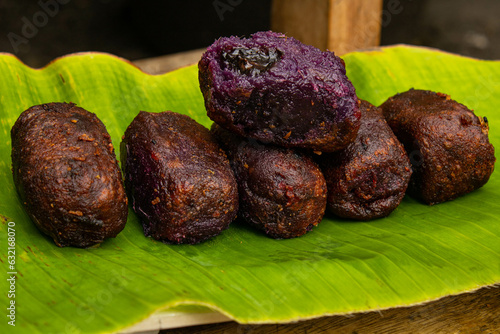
(282, 192)
(367, 179)
(66, 174)
(447, 144)
(179, 181)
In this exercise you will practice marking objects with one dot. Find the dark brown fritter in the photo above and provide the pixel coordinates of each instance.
(447, 144)
(178, 179)
(367, 179)
(67, 176)
(282, 192)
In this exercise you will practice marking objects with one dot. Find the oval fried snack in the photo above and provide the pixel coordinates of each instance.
(282, 192)
(275, 89)
(447, 144)
(368, 178)
(178, 179)
(67, 176)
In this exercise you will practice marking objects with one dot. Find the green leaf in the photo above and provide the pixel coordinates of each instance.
(417, 254)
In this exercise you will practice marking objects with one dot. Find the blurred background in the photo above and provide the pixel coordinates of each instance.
(39, 31)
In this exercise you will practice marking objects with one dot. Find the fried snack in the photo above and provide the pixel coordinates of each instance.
(67, 176)
(178, 180)
(281, 191)
(368, 178)
(275, 89)
(447, 144)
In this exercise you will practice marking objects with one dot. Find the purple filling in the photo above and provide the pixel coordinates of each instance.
(274, 88)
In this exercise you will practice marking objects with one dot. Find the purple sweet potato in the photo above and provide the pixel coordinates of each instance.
(67, 176)
(368, 178)
(447, 144)
(179, 181)
(275, 89)
(282, 191)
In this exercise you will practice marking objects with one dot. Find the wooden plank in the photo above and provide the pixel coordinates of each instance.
(477, 312)
(354, 24)
(174, 319)
(167, 63)
(306, 20)
(337, 25)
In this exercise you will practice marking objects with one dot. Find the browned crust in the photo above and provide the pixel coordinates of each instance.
(67, 176)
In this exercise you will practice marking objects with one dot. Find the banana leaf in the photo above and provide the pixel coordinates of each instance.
(417, 254)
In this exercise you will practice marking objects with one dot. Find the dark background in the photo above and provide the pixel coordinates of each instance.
(153, 28)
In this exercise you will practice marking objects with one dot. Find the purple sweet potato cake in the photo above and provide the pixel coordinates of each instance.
(178, 179)
(281, 190)
(447, 143)
(275, 89)
(367, 179)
